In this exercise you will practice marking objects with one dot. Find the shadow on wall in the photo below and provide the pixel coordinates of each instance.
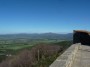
(80, 36)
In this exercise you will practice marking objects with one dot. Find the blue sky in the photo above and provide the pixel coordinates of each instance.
(40, 16)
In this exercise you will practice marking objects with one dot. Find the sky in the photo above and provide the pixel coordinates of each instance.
(41, 16)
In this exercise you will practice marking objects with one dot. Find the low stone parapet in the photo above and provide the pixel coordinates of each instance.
(66, 59)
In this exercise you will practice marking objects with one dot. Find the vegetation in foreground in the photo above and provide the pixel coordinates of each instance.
(42, 55)
(13, 46)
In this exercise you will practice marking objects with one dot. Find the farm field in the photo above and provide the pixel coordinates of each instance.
(12, 47)
(20, 45)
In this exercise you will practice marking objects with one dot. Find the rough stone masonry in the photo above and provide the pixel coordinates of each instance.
(81, 36)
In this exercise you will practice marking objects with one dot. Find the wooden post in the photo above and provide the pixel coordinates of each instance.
(38, 55)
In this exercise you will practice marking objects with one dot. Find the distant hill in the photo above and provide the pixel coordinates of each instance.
(68, 36)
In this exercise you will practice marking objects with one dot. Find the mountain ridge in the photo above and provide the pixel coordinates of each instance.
(38, 36)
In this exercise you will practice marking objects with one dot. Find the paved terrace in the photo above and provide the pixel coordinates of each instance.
(75, 56)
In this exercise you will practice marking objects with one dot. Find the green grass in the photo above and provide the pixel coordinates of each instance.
(17, 46)
(14, 47)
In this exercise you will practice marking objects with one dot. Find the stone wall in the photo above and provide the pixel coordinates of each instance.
(82, 37)
(66, 59)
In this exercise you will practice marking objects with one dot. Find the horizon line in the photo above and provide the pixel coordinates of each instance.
(37, 33)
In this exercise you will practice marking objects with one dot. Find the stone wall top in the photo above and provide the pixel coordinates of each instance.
(66, 59)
